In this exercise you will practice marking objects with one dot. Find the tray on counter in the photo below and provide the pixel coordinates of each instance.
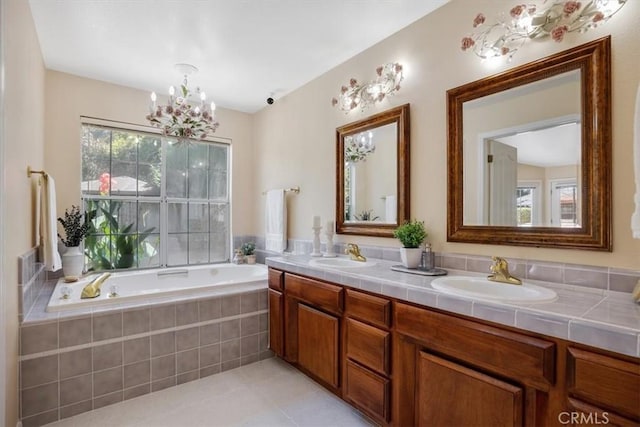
(419, 270)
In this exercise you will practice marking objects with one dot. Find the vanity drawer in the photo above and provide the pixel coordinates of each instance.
(276, 279)
(315, 292)
(504, 352)
(368, 346)
(368, 308)
(604, 381)
(368, 391)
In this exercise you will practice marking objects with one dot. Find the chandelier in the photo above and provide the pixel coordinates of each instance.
(361, 96)
(358, 147)
(527, 21)
(181, 119)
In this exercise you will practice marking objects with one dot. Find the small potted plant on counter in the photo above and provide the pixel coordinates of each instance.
(76, 226)
(411, 234)
(249, 251)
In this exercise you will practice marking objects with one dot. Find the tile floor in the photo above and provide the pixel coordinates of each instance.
(266, 393)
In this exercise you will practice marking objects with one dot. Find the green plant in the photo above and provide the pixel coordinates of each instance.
(248, 248)
(110, 245)
(75, 227)
(367, 216)
(411, 234)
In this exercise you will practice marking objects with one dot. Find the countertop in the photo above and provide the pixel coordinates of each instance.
(604, 319)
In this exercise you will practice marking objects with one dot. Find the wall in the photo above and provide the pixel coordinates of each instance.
(68, 97)
(24, 136)
(295, 141)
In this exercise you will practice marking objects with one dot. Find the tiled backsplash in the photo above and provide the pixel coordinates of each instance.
(74, 365)
(31, 279)
(613, 279)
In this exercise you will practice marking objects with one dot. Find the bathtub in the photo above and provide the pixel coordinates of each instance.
(154, 285)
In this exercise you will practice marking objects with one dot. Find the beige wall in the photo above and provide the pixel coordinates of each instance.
(69, 97)
(295, 142)
(24, 145)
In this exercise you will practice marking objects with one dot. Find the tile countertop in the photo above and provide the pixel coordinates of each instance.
(604, 319)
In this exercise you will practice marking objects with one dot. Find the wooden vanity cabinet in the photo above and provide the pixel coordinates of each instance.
(603, 388)
(367, 361)
(312, 317)
(276, 312)
(451, 371)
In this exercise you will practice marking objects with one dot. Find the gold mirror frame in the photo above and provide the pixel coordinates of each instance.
(593, 59)
(400, 116)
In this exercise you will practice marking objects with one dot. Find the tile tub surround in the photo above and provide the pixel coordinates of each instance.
(589, 315)
(82, 361)
(31, 280)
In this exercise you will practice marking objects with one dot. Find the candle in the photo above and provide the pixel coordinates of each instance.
(329, 225)
(316, 221)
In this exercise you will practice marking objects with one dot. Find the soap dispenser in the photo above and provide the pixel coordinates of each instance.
(428, 258)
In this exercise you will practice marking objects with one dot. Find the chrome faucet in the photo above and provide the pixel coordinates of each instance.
(500, 270)
(354, 251)
(92, 290)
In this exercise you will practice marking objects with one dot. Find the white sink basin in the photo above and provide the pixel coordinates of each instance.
(478, 287)
(340, 263)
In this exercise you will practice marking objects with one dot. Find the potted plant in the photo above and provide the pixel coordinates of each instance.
(411, 234)
(76, 226)
(249, 251)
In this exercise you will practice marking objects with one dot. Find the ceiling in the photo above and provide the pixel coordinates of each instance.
(245, 50)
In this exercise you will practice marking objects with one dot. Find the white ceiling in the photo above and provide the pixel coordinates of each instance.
(245, 50)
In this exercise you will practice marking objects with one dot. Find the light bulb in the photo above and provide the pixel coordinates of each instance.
(203, 96)
(172, 90)
(153, 97)
(213, 106)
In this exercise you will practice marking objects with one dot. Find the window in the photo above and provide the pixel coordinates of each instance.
(156, 203)
(528, 203)
(564, 203)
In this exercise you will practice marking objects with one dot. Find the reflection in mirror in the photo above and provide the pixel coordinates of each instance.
(370, 192)
(522, 155)
(529, 153)
(372, 174)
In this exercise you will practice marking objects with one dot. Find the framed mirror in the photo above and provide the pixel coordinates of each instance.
(372, 174)
(529, 154)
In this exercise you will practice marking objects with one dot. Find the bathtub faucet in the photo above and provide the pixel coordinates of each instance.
(92, 290)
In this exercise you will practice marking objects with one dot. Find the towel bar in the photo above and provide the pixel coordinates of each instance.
(31, 171)
(288, 190)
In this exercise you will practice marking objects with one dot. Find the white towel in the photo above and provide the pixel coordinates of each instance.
(635, 218)
(391, 209)
(275, 221)
(48, 225)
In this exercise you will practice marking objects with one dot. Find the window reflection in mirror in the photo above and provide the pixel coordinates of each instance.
(370, 175)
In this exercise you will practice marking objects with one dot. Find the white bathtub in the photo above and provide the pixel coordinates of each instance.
(143, 285)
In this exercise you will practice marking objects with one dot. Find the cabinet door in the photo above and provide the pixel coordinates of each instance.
(318, 335)
(452, 395)
(276, 322)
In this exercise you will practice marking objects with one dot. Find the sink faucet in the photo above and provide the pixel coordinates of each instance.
(500, 270)
(92, 290)
(354, 251)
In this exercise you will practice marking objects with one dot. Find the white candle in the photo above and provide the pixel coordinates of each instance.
(329, 226)
(316, 221)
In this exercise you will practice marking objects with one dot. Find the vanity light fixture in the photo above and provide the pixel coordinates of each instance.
(528, 21)
(358, 147)
(357, 95)
(180, 119)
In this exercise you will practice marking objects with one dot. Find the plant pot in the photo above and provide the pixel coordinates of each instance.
(250, 259)
(411, 257)
(72, 263)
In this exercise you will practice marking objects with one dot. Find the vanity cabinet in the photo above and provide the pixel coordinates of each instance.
(276, 312)
(451, 371)
(403, 364)
(603, 386)
(367, 364)
(312, 317)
